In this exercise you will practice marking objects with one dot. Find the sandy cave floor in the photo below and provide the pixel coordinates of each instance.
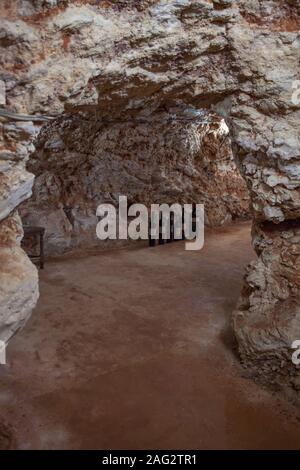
(132, 349)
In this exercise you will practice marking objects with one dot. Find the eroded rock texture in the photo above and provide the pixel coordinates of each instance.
(105, 60)
(265, 124)
(18, 279)
(18, 276)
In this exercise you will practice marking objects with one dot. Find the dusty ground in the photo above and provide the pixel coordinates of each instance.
(133, 349)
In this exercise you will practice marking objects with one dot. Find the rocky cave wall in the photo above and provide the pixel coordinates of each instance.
(130, 59)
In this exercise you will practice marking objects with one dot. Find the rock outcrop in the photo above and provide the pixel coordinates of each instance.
(18, 276)
(93, 61)
(265, 130)
(18, 279)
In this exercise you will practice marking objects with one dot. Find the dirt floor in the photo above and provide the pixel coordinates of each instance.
(132, 349)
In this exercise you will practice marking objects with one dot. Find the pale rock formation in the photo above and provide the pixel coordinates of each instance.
(265, 125)
(267, 321)
(131, 59)
(18, 279)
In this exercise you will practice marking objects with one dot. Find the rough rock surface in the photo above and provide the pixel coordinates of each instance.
(130, 59)
(267, 321)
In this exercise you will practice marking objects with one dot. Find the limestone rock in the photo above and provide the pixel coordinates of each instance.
(267, 320)
(18, 279)
(15, 187)
(73, 20)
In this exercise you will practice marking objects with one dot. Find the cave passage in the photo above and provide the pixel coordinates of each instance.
(125, 345)
(183, 157)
